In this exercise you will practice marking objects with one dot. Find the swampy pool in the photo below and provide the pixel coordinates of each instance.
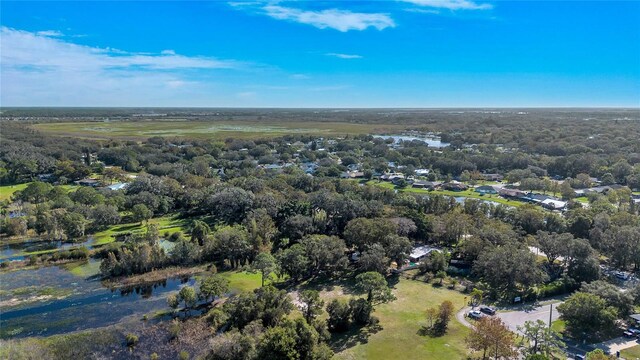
(56, 299)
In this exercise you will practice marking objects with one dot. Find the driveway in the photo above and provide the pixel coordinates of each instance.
(516, 318)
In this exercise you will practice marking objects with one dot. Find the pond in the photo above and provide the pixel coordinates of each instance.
(52, 300)
(431, 141)
(20, 250)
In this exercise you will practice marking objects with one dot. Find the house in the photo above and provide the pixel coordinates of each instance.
(492, 177)
(421, 252)
(118, 186)
(454, 186)
(392, 176)
(401, 181)
(352, 175)
(486, 189)
(429, 185)
(46, 177)
(635, 318)
(512, 193)
(88, 182)
(422, 172)
(553, 204)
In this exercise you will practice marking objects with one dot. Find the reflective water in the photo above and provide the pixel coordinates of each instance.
(77, 302)
(430, 141)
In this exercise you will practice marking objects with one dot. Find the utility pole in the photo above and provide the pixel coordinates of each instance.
(550, 314)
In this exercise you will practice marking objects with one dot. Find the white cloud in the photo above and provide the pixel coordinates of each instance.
(300, 77)
(451, 4)
(341, 20)
(344, 56)
(51, 33)
(40, 69)
(168, 52)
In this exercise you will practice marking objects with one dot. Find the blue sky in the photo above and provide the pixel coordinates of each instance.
(405, 53)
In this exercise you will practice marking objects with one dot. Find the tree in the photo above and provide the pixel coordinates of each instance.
(292, 340)
(540, 338)
(199, 231)
(432, 317)
(339, 316)
(621, 301)
(326, 254)
(141, 213)
(508, 269)
(213, 286)
(265, 264)
(492, 337)
(105, 215)
(445, 311)
(476, 297)
(230, 205)
(360, 311)
(374, 259)
(173, 300)
(586, 315)
(375, 286)
(232, 346)
(230, 243)
(188, 295)
(436, 261)
(441, 275)
(598, 354)
(312, 304)
(294, 262)
(363, 232)
(36, 192)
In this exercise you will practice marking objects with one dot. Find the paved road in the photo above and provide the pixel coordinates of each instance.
(518, 317)
(462, 316)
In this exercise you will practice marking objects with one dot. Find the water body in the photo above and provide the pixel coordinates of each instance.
(86, 303)
(431, 141)
(16, 251)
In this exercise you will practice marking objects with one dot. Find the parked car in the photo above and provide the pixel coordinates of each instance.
(475, 314)
(629, 333)
(488, 310)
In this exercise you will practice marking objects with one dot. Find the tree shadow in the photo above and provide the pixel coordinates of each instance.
(433, 331)
(355, 335)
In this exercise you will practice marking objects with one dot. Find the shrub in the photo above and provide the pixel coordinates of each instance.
(183, 355)
(132, 340)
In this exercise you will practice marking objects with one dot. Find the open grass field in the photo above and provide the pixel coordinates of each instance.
(401, 321)
(7, 190)
(631, 353)
(165, 224)
(209, 129)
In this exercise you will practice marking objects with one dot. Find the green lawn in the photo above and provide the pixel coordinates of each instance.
(169, 224)
(7, 190)
(631, 353)
(559, 325)
(241, 280)
(401, 321)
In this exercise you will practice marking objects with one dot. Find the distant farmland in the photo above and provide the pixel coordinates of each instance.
(209, 129)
